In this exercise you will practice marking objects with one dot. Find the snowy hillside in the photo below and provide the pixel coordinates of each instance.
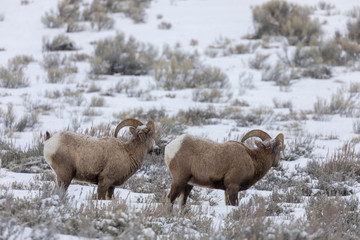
(210, 68)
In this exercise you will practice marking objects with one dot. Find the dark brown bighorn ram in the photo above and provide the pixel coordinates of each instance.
(230, 166)
(107, 161)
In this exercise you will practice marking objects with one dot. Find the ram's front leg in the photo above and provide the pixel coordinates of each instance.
(110, 193)
(103, 187)
(232, 190)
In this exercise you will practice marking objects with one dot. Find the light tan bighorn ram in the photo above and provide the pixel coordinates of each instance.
(230, 166)
(107, 161)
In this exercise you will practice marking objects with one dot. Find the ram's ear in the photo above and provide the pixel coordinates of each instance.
(259, 144)
(151, 126)
(280, 140)
(47, 135)
(141, 135)
(133, 131)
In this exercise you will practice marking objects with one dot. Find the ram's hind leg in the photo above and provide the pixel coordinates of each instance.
(177, 187)
(174, 192)
(104, 185)
(186, 193)
(64, 177)
(232, 192)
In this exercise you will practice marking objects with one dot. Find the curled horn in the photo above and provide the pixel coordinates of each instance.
(151, 125)
(125, 123)
(256, 133)
(280, 138)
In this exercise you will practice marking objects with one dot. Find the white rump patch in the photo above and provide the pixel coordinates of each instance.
(172, 148)
(51, 146)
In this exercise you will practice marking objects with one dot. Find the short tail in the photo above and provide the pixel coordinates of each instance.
(47, 135)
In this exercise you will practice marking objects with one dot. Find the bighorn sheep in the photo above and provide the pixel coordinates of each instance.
(230, 166)
(107, 161)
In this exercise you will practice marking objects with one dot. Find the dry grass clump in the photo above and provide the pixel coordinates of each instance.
(256, 116)
(9, 117)
(337, 173)
(311, 62)
(278, 176)
(354, 12)
(79, 57)
(280, 18)
(258, 62)
(179, 70)
(343, 164)
(127, 86)
(97, 102)
(26, 121)
(280, 74)
(356, 126)
(197, 116)
(325, 6)
(318, 72)
(11, 124)
(333, 217)
(224, 47)
(101, 130)
(134, 9)
(92, 112)
(131, 88)
(306, 56)
(93, 88)
(13, 75)
(68, 11)
(212, 95)
(101, 21)
(282, 104)
(248, 221)
(73, 97)
(58, 67)
(315, 61)
(246, 82)
(28, 160)
(125, 56)
(100, 10)
(97, 14)
(59, 43)
(139, 113)
(339, 51)
(341, 103)
(353, 30)
(301, 146)
(164, 25)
